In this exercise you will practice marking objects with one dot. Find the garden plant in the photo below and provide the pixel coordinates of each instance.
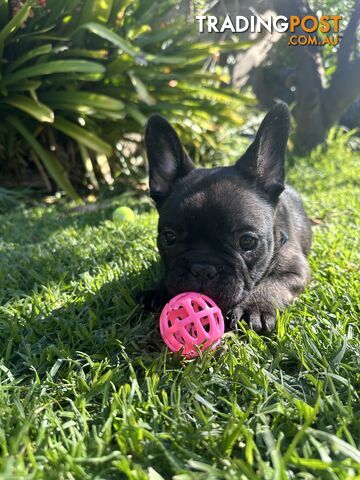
(88, 389)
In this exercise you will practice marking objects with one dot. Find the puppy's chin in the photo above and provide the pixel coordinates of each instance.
(226, 295)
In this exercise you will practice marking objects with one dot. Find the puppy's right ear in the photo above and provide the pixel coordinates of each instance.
(167, 158)
(264, 161)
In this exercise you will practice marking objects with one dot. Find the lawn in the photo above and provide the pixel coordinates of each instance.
(88, 391)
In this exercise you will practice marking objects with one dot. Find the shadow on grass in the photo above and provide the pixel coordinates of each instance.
(93, 274)
(26, 271)
(46, 248)
(35, 225)
(98, 324)
(29, 226)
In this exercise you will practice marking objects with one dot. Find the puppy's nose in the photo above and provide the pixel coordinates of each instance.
(203, 271)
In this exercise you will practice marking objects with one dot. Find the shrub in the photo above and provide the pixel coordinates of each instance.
(80, 76)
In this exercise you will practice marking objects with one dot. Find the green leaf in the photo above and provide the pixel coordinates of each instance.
(137, 115)
(162, 34)
(218, 95)
(94, 100)
(30, 37)
(4, 12)
(15, 23)
(30, 55)
(26, 85)
(166, 59)
(105, 169)
(141, 90)
(83, 136)
(86, 110)
(115, 39)
(118, 16)
(34, 108)
(49, 68)
(88, 166)
(51, 163)
(101, 54)
(95, 11)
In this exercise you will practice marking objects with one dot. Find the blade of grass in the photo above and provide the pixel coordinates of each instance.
(342, 446)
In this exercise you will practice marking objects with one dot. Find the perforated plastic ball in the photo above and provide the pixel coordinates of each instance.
(191, 320)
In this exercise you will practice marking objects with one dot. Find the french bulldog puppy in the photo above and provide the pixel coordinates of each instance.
(237, 234)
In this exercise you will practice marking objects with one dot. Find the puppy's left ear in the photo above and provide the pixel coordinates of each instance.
(263, 162)
(168, 161)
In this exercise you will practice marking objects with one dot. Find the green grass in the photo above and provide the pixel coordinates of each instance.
(88, 391)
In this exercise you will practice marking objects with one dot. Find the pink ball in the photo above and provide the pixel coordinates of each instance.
(191, 319)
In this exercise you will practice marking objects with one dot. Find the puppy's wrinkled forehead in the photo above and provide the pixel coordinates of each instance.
(220, 199)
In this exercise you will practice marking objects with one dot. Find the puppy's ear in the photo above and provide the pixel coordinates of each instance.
(167, 158)
(263, 162)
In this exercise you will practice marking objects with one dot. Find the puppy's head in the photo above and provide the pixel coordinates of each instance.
(216, 226)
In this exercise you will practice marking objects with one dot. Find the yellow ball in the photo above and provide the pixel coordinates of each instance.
(123, 214)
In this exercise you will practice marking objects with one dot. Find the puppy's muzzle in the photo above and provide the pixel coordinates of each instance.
(203, 272)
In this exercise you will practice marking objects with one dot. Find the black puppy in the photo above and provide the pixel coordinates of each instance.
(236, 234)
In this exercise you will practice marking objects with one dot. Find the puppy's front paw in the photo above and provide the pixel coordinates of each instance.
(153, 300)
(260, 321)
(233, 317)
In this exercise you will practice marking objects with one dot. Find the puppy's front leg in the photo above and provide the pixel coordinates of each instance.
(153, 299)
(276, 291)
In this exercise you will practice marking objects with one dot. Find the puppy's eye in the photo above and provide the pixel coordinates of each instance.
(248, 241)
(169, 237)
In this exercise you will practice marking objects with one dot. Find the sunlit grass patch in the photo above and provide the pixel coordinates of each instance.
(88, 391)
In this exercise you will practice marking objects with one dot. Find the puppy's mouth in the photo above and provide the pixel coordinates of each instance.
(225, 293)
(224, 280)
